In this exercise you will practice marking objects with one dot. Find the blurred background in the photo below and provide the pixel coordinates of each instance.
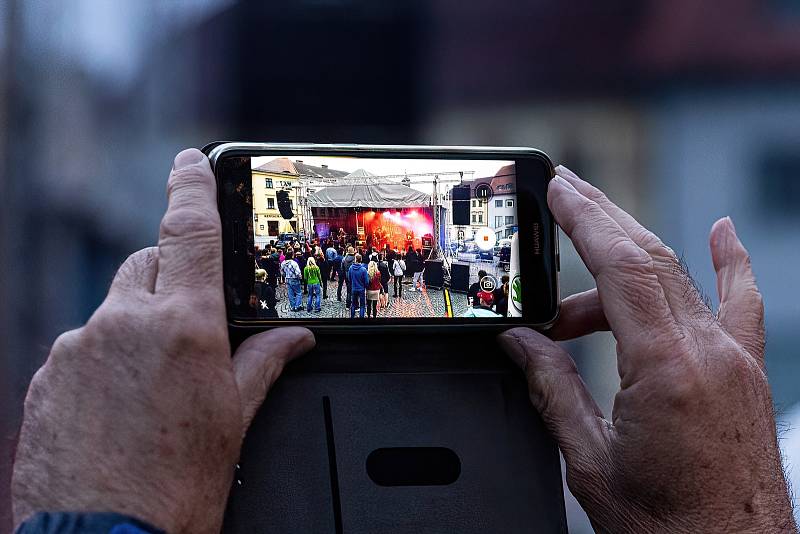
(683, 111)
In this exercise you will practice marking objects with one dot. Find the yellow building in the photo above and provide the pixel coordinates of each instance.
(267, 179)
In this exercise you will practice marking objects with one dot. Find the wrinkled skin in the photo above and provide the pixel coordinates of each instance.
(142, 410)
(691, 445)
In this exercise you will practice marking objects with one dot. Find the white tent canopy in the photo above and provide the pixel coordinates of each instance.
(369, 196)
(359, 173)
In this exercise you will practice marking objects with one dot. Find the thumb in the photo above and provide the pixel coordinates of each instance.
(558, 393)
(741, 310)
(259, 361)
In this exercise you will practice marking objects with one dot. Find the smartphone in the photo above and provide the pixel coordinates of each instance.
(334, 235)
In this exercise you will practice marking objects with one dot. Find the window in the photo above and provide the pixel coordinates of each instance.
(268, 183)
(474, 203)
(498, 203)
(509, 203)
(261, 227)
(255, 217)
(498, 221)
(272, 227)
(509, 219)
(480, 217)
(474, 218)
(270, 203)
(778, 191)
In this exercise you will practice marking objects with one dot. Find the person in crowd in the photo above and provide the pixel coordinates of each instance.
(325, 268)
(357, 282)
(281, 259)
(345, 263)
(336, 267)
(482, 307)
(312, 276)
(411, 263)
(398, 270)
(301, 258)
(273, 268)
(472, 292)
(373, 289)
(265, 294)
(386, 275)
(500, 295)
(418, 280)
(293, 276)
(330, 255)
(261, 258)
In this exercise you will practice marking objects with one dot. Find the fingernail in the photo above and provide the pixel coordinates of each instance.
(730, 222)
(563, 169)
(558, 180)
(187, 157)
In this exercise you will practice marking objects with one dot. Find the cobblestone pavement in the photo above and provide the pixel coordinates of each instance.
(425, 303)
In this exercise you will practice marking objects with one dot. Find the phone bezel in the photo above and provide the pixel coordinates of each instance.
(219, 149)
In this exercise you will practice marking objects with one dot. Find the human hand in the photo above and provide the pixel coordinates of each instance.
(142, 410)
(691, 445)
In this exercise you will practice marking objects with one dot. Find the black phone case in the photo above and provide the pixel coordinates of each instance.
(459, 446)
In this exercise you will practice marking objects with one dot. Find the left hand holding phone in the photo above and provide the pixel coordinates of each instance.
(142, 411)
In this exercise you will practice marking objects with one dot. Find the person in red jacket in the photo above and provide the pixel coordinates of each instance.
(374, 289)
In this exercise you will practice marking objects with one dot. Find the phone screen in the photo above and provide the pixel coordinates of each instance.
(335, 238)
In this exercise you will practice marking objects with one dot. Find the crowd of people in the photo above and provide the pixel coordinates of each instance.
(362, 276)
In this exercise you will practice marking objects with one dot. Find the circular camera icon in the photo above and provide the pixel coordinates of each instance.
(488, 283)
(484, 192)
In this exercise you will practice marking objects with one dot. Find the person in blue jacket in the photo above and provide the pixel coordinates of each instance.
(359, 279)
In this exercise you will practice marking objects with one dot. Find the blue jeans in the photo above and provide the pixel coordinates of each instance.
(295, 293)
(362, 300)
(313, 291)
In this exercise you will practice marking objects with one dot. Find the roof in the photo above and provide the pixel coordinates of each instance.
(503, 182)
(369, 196)
(318, 172)
(278, 165)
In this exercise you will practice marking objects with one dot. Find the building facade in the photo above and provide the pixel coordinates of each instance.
(276, 175)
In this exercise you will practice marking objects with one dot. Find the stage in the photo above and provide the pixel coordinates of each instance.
(375, 216)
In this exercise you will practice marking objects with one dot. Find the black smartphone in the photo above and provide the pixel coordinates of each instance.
(386, 235)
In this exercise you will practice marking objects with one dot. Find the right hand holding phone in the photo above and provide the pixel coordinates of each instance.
(691, 445)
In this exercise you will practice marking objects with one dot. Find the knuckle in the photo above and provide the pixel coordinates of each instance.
(184, 330)
(109, 318)
(596, 195)
(141, 258)
(625, 254)
(36, 389)
(195, 222)
(193, 176)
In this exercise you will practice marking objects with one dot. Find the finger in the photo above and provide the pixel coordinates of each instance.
(137, 274)
(633, 300)
(189, 244)
(681, 295)
(259, 361)
(581, 314)
(741, 309)
(558, 393)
